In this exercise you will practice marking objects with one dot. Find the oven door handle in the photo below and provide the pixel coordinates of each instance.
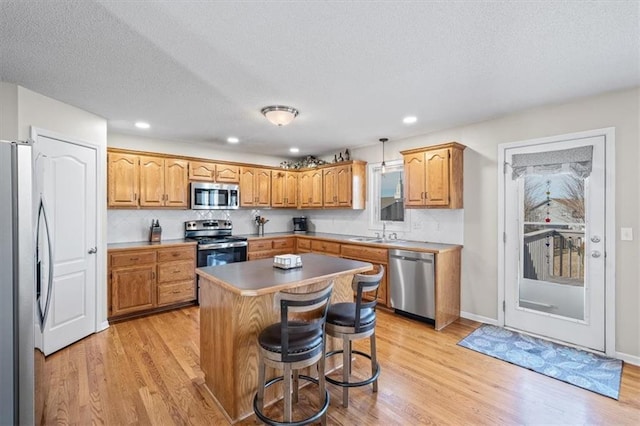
(222, 245)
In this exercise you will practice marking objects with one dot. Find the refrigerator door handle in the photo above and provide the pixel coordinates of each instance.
(42, 314)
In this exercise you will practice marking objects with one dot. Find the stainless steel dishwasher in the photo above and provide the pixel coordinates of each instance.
(411, 279)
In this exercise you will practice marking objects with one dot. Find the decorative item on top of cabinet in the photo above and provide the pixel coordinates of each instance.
(284, 189)
(255, 187)
(434, 176)
(208, 171)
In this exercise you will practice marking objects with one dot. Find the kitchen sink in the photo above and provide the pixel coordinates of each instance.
(375, 240)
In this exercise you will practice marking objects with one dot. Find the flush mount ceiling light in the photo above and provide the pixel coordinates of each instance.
(382, 166)
(142, 125)
(279, 115)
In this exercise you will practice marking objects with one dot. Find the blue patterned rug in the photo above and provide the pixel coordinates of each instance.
(580, 368)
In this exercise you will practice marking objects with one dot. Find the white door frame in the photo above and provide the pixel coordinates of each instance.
(101, 322)
(610, 228)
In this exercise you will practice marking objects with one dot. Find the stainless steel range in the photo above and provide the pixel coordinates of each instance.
(216, 245)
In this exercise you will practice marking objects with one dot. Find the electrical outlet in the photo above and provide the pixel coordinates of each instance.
(626, 234)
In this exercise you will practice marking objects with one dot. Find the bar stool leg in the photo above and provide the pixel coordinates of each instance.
(346, 369)
(322, 385)
(261, 382)
(287, 392)
(295, 386)
(374, 360)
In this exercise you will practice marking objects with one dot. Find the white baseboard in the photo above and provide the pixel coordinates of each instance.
(478, 318)
(103, 326)
(631, 359)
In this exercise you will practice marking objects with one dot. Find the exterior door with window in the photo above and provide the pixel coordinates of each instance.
(554, 226)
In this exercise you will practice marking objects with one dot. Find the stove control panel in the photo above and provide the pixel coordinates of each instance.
(207, 224)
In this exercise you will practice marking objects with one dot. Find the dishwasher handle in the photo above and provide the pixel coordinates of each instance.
(412, 256)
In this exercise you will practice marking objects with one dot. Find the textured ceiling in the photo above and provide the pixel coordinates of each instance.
(201, 71)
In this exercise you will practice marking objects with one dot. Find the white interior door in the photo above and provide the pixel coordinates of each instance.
(65, 182)
(554, 257)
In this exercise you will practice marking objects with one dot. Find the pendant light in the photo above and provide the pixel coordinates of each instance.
(382, 166)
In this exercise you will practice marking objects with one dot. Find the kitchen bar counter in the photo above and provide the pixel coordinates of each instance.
(237, 301)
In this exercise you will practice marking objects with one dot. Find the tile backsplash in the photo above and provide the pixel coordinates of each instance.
(439, 226)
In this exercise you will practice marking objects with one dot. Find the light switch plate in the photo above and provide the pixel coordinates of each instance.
(626, 234)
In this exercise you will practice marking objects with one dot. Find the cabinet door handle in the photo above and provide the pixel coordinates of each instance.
(426, 195)
(153, 275)
(135, 196)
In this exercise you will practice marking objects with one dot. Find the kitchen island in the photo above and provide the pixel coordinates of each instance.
(237, 303)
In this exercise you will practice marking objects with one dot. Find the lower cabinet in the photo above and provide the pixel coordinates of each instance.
(143, 280)
(268, 247)
(377, 256)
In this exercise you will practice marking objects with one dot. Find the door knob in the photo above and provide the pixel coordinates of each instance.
(93, 250)
(595, 239)
(595, 253)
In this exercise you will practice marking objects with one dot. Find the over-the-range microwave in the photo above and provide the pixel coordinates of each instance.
(212, 196)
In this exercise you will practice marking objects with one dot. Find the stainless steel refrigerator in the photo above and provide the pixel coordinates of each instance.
(25, 286)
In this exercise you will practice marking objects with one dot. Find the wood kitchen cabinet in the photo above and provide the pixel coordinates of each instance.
(344, 185)
(132, 279)
(375, 255)
(265, 248)
(284, 189)
(213, 172)
(255, 187)
(123, 171)
(325, 247)
(310, 189)
(146, 181)
(163, 182)
(434, 176)
(145, 280)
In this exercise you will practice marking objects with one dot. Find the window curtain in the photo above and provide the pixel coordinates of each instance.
(573, 160)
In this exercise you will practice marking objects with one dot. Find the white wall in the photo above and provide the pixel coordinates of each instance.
(23, 108)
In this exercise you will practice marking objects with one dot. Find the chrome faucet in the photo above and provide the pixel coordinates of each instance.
(393, 236)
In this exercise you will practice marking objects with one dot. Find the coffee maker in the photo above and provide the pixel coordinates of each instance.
(300, 225)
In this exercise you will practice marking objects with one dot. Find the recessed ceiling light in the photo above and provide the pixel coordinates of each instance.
(410, 119)
(142, 125)
(294, 150)
(233, 139)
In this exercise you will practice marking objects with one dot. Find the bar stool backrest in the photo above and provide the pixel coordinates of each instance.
(316, 305)
(364, 283)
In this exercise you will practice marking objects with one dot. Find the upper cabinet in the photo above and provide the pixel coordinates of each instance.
(146, 181)
(284, 189)
(255, 187)
(433, 176)
(344, 185)
(149, 180)
(310, 189)
(163, 182)
(123, 173)
(213, 172)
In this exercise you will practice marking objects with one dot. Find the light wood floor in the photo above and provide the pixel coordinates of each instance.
(145, 371)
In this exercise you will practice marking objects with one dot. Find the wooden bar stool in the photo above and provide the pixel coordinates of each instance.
(352, 321)
(296, 342)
